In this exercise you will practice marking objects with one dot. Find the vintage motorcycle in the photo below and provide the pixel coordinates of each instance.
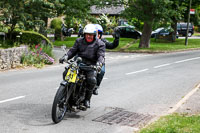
(66, 31)
(71, 93)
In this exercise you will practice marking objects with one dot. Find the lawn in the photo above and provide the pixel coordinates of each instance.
(68, 42)
(196, 34)
(166, 46)
(131, 45)
(175, 123)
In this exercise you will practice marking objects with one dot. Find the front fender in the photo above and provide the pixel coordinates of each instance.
(64, 83)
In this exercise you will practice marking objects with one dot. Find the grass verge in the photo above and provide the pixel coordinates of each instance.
(175, 123)
(131, 45)
(196, 34)
(68, 42)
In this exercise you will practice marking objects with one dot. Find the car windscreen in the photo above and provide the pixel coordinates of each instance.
(158, 30)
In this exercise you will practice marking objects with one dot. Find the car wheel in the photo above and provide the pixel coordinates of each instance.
(189, 34)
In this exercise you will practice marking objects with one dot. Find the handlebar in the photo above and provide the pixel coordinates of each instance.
(81, 65)
(91, 67)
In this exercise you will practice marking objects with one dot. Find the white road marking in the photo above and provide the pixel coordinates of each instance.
(187, 60)
(105, 78)
(118, 57)
(163, 65)
(143, 70)
(12, 99)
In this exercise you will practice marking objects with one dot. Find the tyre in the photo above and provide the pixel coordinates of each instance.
(189, 34)
(59, 107)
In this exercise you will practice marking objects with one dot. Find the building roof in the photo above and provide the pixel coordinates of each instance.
(113, 10)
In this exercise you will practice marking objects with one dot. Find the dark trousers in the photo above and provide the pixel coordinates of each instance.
(100, 75)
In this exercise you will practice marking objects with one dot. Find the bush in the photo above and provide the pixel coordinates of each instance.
(31, 37)
(38, 57)
(56, 24)
(196, 28)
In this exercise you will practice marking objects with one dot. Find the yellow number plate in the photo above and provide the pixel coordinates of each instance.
(71, 76)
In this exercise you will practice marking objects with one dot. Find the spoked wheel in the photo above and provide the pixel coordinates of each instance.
(59, 105)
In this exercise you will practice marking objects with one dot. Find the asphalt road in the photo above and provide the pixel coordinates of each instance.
(134, 86)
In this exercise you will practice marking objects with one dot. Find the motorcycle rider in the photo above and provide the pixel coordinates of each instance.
(80, 31)
(92, 51)
(109, 45)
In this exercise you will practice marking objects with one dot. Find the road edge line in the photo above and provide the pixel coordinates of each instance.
(183, 100)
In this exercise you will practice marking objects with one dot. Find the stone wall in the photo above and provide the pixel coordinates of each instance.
(11, 57)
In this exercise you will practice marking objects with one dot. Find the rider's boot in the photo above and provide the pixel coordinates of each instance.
(87, 103)
(82, 94)
(95, 91)
(87, 99)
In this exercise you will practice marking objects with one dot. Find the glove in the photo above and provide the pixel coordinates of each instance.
(63, 59)
(99, 66)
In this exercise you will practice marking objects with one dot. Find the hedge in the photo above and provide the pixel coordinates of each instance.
(31, 37)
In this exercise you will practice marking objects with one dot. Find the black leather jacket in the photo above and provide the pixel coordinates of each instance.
(91, 53)
(110, 45)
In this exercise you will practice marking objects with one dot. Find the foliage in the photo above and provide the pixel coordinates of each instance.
(7, 44)
(56, 24)
(79, 9)
(31, 37)
(3, 28)
(151, 14)
(148, 11)
(27, 14)
(37, 57)
(136, 23)
(175, 123)
(194, 18)
(108, 23)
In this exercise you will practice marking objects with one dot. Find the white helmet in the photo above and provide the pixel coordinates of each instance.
(90, 29)
(99, 28)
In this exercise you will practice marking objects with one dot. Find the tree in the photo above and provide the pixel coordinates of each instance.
(77, 9)
(150, 12)
(26, 14)
(179, 12)
(194, 18)
(177, 9)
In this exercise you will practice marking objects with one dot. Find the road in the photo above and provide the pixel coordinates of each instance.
(136, 88)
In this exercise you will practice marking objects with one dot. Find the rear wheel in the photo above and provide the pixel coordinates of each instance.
(60, 105)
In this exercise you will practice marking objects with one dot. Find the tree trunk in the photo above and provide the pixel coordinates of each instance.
(146, 35)
(10, 32)
(174, 27)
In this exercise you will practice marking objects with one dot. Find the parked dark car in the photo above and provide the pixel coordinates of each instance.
(162, 32)
(127, 32)
(182, 29)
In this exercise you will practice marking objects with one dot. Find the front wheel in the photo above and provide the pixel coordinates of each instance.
(59, 107)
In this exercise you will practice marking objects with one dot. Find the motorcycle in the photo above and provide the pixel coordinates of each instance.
(66, 31)
(71, 93)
